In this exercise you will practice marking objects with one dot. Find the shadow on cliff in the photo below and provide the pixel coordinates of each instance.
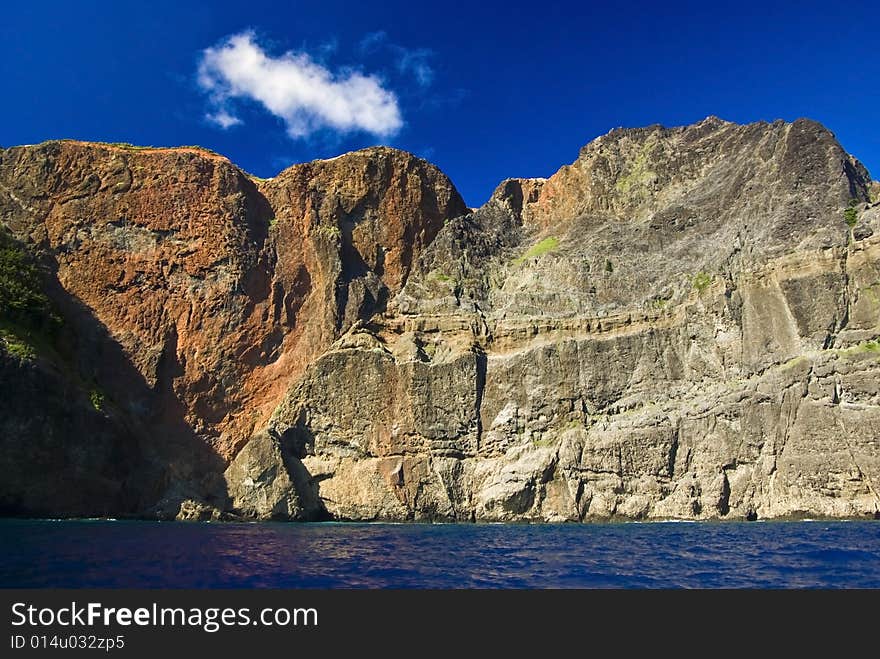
(106, 441)
(297, 441)
(360, 291)
(163, 461)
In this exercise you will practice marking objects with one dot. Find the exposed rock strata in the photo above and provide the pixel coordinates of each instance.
(679, 324)
(192, 294)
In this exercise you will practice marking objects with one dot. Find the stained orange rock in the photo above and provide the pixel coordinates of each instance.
(217, 289)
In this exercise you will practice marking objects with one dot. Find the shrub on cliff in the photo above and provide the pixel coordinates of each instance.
(851, 215)
(26, 314)
(21, 292)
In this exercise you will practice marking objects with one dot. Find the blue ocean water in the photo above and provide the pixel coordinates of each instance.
(101, 554)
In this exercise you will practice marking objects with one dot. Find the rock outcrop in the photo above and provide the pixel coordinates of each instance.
(683, 323)
(193, 294)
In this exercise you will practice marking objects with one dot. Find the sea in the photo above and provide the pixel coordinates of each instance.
(140, 554)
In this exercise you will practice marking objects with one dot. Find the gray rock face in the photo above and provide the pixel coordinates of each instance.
(683, 323)
(680, 324)
(265, 481)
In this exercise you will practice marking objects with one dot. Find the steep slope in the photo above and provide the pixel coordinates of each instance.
(682, 323)
(54, 427)
(679, 324)
(192, 294)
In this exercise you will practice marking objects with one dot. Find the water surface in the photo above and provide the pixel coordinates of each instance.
(78, 554)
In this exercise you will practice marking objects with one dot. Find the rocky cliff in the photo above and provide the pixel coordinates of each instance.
(683, 323)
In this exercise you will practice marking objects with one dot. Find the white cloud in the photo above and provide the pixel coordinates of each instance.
(415, 62)
(408, 60)
(223, 119)
(304, 94)
(372, 41)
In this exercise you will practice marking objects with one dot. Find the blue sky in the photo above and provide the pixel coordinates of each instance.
(484, 90)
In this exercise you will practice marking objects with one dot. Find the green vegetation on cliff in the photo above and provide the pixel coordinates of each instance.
(440, 276)
(27, 320)
(851, 215)
(96, 397)
(538, 249)
(865, 347)
(330, 232)
(130, 147)
(701, 282)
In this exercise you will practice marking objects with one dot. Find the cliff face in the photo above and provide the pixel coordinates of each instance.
(192, 294)
(682, 323)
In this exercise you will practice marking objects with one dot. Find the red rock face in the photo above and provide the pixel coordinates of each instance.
(214, 290)
(343, 237)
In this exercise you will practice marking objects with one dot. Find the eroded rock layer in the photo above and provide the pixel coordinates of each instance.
(683, 323)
